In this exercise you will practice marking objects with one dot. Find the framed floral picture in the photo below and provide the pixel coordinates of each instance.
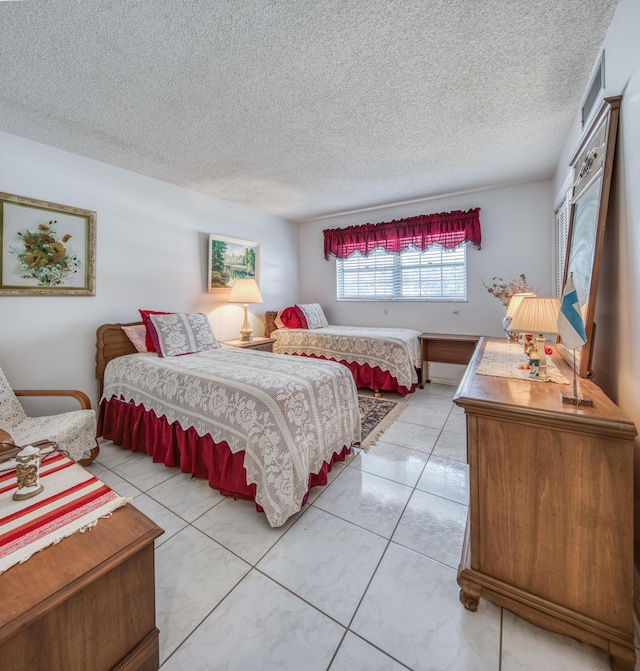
(46, 249)
(231, 259)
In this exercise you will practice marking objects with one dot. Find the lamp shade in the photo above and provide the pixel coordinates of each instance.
(536, 314)
(515, 301)
(245, 291)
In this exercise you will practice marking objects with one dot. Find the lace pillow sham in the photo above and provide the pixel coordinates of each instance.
(177, 333)
(314, 315)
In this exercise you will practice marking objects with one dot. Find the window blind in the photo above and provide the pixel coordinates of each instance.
(433, 274)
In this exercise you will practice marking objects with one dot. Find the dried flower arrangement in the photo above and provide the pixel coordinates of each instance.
(503, 289)
(45, 258)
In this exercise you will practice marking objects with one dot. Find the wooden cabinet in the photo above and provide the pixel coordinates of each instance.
(86, 603)
(261, 344)
(549, 533)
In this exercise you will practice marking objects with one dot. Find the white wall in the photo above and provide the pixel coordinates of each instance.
(517, 237)
(151, 253)
(616, 359)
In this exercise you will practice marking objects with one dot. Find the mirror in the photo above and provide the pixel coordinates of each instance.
(592, 166)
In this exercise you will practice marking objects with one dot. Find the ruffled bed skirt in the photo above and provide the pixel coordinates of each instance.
(368, 377)
(139, 430)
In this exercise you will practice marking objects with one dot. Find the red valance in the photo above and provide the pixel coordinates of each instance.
(447, 229)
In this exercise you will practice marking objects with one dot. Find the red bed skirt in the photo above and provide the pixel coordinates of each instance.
(370, 378)
(139, 430)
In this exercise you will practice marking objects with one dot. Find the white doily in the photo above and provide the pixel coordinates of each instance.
(503, 359)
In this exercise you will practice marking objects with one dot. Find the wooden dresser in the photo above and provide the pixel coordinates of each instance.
(550, 527)
(87, 603)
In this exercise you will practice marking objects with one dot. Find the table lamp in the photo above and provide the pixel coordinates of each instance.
(245, 291)
(537, 314)
(516, 299)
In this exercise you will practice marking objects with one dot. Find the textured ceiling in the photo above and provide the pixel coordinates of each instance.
(303, 107)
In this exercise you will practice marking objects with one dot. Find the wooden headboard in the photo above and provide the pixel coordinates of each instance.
(269, 323)
(111, 342)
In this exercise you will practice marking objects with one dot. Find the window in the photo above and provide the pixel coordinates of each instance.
(435, 274)
(594, 92)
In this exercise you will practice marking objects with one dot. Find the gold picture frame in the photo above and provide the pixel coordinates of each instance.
(46, 249)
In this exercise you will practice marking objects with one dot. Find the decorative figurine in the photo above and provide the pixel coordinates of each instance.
(529, 344)
(534, 362)
(28, 473)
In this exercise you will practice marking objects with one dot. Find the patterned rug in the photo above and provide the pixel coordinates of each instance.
(376, 415)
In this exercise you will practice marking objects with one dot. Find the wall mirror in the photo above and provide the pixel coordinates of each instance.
(592, 166)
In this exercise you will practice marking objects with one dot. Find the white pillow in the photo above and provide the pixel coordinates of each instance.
(179, 333)
(314, 315)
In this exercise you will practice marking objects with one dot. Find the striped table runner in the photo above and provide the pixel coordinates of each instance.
(73, 500)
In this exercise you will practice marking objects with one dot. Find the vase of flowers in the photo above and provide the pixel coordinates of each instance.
(504, 290)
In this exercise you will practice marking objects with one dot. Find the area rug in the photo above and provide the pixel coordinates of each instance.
(376, 415)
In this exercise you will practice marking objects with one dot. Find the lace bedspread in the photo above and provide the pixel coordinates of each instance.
(503, 359)
(288, 414)
(396, 351)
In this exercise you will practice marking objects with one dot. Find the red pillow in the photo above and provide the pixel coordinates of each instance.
(150, 327)
(293, 318)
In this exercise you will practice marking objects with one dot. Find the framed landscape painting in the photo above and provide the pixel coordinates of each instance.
(46, 249)
(231, 259)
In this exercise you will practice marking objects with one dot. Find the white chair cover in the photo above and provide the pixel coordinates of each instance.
(74, 431)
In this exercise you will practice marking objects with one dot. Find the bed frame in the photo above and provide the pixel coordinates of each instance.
(111, 342)
(269, 323)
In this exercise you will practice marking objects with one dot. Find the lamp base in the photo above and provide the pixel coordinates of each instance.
(542, 366)
(246, 330)
(539, 372)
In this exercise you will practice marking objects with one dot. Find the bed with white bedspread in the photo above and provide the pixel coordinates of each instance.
(288, 415)
(393, 351)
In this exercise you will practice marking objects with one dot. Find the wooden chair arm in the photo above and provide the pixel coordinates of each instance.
(80, 396)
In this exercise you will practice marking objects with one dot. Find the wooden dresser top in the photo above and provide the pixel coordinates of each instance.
(540, 401)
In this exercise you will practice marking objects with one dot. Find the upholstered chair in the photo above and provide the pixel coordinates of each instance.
(74, 431)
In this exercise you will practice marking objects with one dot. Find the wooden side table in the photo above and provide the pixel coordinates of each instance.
(445, 348)
(261, 344)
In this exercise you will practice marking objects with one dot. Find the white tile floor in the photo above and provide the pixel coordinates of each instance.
(363, 578)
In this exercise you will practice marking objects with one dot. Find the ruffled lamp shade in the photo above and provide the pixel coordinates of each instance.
(516, 299)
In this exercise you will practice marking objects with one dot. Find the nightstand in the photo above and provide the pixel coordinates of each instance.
(262, 344)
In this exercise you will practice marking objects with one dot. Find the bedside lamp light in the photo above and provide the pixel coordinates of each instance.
(537, 314)
(516, 299)
(245, 291)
